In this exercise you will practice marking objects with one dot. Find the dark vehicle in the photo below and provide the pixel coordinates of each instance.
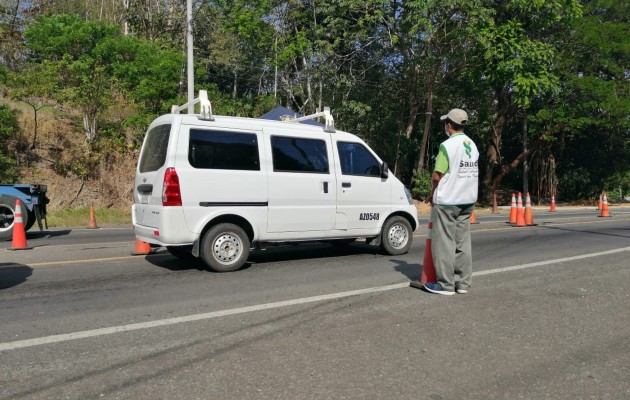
(33, 204)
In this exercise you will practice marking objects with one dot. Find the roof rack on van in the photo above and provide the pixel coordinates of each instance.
(206, 107)
(330, 121)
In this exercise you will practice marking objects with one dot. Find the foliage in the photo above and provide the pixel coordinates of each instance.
(386, 68)
(9, 129)
(421, 184)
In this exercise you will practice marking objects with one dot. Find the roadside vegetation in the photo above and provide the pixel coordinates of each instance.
(81, 80)
(80, 217)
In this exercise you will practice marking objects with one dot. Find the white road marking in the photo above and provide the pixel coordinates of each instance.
(260, 307)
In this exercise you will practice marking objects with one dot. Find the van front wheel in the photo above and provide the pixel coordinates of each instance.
(396, 236)
(225, 247)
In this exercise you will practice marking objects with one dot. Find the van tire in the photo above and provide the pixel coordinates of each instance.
(396, 236)
(225, 247)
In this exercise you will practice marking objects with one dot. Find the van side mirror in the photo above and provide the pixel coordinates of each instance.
(384, 170)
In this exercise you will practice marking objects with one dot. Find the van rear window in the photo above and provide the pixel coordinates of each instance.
(155, 146)
(223, 150)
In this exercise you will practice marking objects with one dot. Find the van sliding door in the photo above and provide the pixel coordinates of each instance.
(301, 182)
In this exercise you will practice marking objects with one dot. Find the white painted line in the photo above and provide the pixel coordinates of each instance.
(189, 318)
(556, 261)
(260, 307)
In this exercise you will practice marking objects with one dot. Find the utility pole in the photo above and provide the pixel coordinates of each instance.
(189, 54)
(525, 180)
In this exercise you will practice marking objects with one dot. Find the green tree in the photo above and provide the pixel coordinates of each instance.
(514, 61)
(9, 129)
(587, 122)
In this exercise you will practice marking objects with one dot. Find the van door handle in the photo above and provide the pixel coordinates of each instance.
(325, 187)
(346, 184)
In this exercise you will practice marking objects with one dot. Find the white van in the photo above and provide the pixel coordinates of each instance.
(215, 187)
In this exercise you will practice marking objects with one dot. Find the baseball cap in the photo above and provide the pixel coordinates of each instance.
(456, 115)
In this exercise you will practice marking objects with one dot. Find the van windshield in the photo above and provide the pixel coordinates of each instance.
(155, 146)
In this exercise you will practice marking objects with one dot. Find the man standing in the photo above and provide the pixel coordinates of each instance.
(454, 193)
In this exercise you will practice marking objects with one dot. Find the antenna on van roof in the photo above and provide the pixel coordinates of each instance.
(206, 106)
(330, 121)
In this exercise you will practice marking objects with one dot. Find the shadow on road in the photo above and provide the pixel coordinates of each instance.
(270, 255)
(47, 234)
(13, 274)
(173, 263)
(411, 271)
(308, 252)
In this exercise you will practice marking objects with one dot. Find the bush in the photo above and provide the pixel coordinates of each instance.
(9, 129)
(421, 184)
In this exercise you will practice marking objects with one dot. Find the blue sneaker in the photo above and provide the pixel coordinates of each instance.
(437, 288)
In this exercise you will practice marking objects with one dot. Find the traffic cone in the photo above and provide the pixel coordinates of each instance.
(605, 212)
(529, 213)
(19, 234)
(92, 221)
(495, 209)
(520, 213)
(553, 204)
(142, 248)
(513, 210)
(428, 269)
(600, 205)
(473, 218)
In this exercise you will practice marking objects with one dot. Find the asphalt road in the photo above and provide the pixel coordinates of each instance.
(547, 317)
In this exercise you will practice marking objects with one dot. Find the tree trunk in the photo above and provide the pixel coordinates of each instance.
(489, 182)
(235, 86)
(427, 129)
(89, 124)
(34, 144)
(414, 107)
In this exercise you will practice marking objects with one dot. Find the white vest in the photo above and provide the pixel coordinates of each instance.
(459, 185)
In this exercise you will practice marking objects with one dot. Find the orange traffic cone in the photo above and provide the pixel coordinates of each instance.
(513, 210)
(428, 269)
(553, 204)
(601, 205)
(92, 221)
(473, 218)
(19, 234)
(495, 209)
(142, 248)
(520, 213)
(529, 214)
(605, 212)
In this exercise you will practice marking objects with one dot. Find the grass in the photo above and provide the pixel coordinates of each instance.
(81, 217)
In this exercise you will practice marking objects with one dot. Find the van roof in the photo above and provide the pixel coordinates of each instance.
(241, 122)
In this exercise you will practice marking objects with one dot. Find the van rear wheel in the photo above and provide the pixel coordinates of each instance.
(396, 236)
(225, 247)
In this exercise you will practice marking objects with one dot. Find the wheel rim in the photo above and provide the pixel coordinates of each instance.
(227, 248)
(6, 217)
(398, 236)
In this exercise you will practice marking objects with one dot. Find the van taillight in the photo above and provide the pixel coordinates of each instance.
(171, 195)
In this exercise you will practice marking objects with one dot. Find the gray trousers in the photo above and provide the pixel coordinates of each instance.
(450, 244)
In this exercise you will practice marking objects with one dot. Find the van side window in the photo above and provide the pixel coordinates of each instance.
(355, 159)
(154, 154)
(223, 150)
(291, 154)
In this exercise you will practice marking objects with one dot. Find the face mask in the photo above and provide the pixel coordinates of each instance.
(447, 132)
